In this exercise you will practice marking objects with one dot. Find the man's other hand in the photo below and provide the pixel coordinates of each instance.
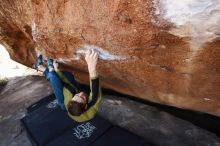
(56, 65)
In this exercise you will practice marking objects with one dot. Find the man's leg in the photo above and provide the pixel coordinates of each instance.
(56, 85)
(52, 77)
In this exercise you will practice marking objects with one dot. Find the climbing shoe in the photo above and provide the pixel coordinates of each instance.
(50, 64)
(39, 60)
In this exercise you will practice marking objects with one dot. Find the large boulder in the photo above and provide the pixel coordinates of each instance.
(162, 51)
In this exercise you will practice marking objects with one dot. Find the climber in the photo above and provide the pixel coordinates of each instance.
(70, 97)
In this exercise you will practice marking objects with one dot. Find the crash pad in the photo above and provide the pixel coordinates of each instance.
(48, 125)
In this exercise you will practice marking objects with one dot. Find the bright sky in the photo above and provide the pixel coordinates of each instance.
(10, 68)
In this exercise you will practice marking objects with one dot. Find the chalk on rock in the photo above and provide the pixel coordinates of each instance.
(103, 54)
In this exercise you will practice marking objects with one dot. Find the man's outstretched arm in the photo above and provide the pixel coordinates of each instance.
(91, 59)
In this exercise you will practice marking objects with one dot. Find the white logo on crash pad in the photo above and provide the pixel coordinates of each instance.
(84, 130)
(52, 104)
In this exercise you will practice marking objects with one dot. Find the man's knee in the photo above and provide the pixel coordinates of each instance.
(52, 75)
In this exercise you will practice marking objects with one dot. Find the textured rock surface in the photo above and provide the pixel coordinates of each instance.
(163, 51)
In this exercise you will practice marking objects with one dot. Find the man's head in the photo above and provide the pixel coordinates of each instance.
(77, 105)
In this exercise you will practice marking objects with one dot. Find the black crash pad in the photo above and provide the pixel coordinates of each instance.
(48, 122)
(47, 125)
(82, 134)
(42, 102)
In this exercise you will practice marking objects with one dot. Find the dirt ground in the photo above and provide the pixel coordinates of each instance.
(156, 126)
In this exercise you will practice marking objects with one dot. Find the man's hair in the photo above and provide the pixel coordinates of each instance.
(75, 108)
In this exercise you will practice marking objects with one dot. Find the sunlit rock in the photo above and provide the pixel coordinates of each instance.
(162, 51)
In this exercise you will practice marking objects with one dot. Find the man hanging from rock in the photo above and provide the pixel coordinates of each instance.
(78, 104)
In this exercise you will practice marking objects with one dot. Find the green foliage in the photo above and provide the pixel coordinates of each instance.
(3, 81)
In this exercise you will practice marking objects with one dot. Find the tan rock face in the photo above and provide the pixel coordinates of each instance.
(162, 51)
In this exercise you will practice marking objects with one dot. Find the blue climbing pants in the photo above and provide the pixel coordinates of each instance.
(57, 85)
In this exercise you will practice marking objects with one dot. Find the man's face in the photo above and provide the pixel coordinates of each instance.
(80, 97)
